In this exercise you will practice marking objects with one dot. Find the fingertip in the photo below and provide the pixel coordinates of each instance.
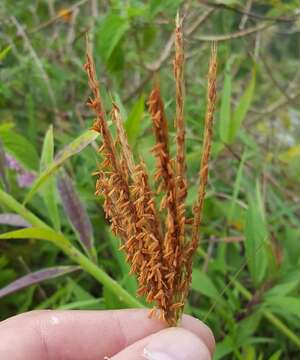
(200, 329)
(168, 344)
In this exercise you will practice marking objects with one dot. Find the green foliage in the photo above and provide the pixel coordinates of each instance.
(256, 237)
(71, 149)
(246, 274)
(21, 148)
(133, 121)
(225, 110)
(110, 33)
(49, 191)
(231, 121)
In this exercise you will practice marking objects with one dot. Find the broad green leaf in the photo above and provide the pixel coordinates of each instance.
(132, 124)
(225, 110)
(71, 149)
(49, 190)
(20, 148)
(203, 284)
(256, 237)
(4, 52)
(109, 33)
(287, 304)
(239, 114)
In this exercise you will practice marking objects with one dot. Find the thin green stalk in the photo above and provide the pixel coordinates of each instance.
(7, 200)
(65, 245)
(98, 274)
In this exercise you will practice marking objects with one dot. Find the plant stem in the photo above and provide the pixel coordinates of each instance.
(64, 244)
(98, 274)
(7, 200)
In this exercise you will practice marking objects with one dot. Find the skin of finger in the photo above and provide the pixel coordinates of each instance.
(79, 334)
(167, 344)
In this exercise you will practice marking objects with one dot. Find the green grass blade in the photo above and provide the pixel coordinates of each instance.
(49, 192)
(132, 124)
(71, 149)
(225, 110)
(256, 235)
(10, 202)
(63, 243)
(242, 108)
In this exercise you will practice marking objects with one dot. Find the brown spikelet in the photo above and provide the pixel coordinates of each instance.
(174, 221)
(122, 138)
(206, 148)
(179, 119)
(164, 169)
(203, 172)
(153, 241)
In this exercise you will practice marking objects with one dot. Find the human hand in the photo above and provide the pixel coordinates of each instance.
(99, 335)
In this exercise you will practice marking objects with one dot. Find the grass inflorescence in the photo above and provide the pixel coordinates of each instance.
(154, 236)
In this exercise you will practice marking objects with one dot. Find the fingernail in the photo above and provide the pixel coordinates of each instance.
(176, 344)
(155, 355)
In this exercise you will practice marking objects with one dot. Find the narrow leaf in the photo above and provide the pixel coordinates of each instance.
(283, 289)
(76, 212)
(287, 304)
(13, 220)
(225, 110)
(242, 108)
(276, 355)
(35, 233)
(110, 32)
(256, 236)
(49, 191)
(71, 149)
(36, 277)
(203, 284)
(133, 121)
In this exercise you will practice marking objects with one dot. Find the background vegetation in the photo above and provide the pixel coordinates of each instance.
(247, 270)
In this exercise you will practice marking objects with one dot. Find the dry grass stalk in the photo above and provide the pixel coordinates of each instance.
(179, 120)
(203, 172)
(174, 236)
(128, 201)
(206, 148)
(155, 246)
